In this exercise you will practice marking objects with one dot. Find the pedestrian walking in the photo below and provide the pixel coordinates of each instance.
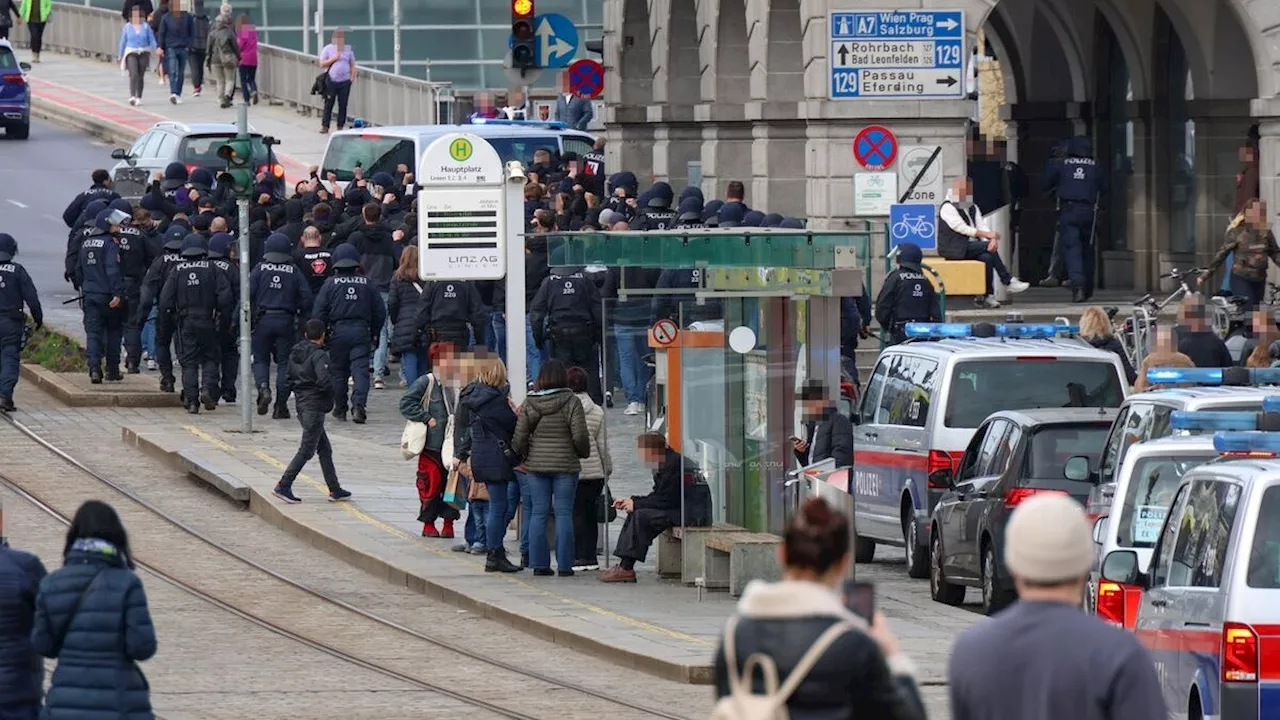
(126, 10)
(1070, 665)
(16, 290)
(403, 302)
(313, 399)
(339, 62)
(134, 256)
(280, 295)
(426, 401)
(35, 13)
(199, 50)
(247, 37)
(21, 669)
(224, 59)
(1251, 244)
(484, 425)
(596, 469)
(7, 8)
(177, 33)
(551, 435)
(831, 662)
(92, 617)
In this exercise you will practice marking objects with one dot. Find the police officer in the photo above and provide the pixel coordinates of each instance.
(152, 284)
(100, 190)
(133, 263)
(220, 256)
(907, 295)
(199, 297)
(657, 213)
(689, 215)
(449, 312)
(354, 313)
(16, 289)
(1079, 184)
(314, 260)
(280, 296)
(102, 285)
(86, 225)
(683, 307)
(567, 304)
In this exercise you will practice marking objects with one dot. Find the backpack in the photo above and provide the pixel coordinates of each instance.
(743, 704)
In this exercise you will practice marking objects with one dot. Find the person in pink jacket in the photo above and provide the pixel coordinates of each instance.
(247, 34)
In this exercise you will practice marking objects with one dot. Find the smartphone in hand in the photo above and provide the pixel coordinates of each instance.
(860, 598)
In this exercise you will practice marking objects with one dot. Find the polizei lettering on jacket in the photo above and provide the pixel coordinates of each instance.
(95, 242)
(350, 280)
(190, 265)
(278, 267)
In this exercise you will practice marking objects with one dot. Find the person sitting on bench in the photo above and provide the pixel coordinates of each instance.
(648, 516)
(963, 234)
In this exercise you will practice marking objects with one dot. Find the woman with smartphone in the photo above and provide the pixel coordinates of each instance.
(846, 665)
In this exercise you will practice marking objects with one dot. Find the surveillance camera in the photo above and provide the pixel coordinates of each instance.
(515, 171)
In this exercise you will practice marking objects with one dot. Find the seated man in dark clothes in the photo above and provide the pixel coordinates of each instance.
(649, 515)
(1197, 340)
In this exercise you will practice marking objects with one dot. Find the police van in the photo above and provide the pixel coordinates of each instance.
(1210, 609)
(383, 149)
(927, 397)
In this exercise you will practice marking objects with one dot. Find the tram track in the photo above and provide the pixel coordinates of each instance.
(587, 699)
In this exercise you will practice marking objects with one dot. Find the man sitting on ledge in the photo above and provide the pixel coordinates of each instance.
(649, 515)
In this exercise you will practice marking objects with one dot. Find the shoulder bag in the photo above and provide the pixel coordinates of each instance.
(414, 438)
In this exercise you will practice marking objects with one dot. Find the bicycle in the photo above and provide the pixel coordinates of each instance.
(917, 224)
(1137, 332)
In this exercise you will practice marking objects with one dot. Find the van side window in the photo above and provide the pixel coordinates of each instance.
(1162, 560)
(1136, 428)
(1264, 556)
(1204, 535)
(912, 379)
(871, 397)
(1111, 451)
(893, 390)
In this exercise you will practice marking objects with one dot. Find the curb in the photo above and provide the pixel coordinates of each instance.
(112, 132)
(72, 396)
(201, 467)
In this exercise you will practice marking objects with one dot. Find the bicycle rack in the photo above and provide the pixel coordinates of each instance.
(1144, 324)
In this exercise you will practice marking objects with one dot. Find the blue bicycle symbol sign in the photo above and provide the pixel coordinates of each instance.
(913, 225)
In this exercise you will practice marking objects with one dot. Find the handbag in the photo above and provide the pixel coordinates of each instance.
(508, 453)
(479, 491)
(456, 490)
(414, 438)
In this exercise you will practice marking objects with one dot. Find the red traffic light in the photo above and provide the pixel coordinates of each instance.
(521, 8)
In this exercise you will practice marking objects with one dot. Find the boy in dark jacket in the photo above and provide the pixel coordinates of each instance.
(313, 396)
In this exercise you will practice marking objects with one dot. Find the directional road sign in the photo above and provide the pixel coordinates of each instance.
(914, 223)
(586, 78)
(555, 40)
(875, 147)
(897, 54)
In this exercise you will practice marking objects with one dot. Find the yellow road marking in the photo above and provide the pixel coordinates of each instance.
(208, 438)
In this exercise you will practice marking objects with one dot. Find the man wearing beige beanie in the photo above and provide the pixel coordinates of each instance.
(1042, 657)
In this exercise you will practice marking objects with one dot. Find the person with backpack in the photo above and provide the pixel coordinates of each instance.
(223, 59)
(829, 662)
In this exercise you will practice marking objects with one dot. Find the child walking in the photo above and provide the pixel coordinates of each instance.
(313, 395)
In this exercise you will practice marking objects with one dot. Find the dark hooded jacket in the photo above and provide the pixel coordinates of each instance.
(1112, 343)
(482, 423)
(403, 302)
(293, 224)
(309, 377)
(377, 254)
(21, 669)
(551, 432)
(99, 644)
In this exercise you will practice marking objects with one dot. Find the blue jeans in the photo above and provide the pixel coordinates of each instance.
(413, 365)
(149, 335)
(176, 63)
(546, 489)
(633, 346)
(534, 355)
(526, 502)
(384, 339)
(504, 498)
(475, 531)
(495, 336)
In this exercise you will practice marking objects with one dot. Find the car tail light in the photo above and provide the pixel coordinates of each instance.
(1239, 653)
(1014, 496)
(1111, 602)
(14, 79)
(192, 168)
(276, 170)
(941, 460)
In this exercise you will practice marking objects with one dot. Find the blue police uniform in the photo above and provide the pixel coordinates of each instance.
(16, 290)
(133, 263)
(154, 281)
(1078, 183)
(354, 313)
(199, 296)
(86, 225)
(567, 304)
(102, 284)
(280, 295)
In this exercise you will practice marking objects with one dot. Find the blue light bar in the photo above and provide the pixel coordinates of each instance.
(1212, 376)
(1007, 330)
(1208, 421)
(1249, 442)
(1271, 404)
(548, 124)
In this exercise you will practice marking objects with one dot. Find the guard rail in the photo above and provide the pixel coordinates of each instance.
(284, 76)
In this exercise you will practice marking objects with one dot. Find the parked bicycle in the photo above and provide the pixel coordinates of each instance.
(1137, 332)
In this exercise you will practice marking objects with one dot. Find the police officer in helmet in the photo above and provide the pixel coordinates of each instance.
(16, 289)
(567, 304)
(171, 255)
(657, 213)
(1078, 183)
(906, 295)
(221, 247)
(86, 225)
(280, 295)
(199, 296)
(133, 263)
(449, 312)
(354, 313)
(102, 285)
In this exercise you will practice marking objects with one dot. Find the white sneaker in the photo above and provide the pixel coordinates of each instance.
(990, 302)
(177, 100)
(379, 384)
(133, 101)
(1016, 286)
(634, 408)
(151, 365)
(173, 99)
(196, 92)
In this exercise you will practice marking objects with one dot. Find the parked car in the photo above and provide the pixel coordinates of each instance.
(15, 94)
(194, 145)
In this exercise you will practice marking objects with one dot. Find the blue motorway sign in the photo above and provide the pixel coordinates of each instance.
(555, 40)
(897, 54)
(914, 223)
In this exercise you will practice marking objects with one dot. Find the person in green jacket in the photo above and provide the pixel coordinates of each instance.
(433, 410)
(35, 13)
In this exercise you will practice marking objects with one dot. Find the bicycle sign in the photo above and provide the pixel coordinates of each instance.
(913, 223)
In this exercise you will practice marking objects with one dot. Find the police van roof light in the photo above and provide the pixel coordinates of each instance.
(1207, 421)
(1006, 330)
(1271, 404)
(1214, 376)
(1246, 442)
(548, 124)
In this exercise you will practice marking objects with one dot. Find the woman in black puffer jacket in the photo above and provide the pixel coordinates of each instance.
(483, 425)
(1095, 329)
(403, 302)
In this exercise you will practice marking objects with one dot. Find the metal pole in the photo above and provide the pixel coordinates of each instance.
(319, 25)
(395, 34)
(246, 341)
(306, 27)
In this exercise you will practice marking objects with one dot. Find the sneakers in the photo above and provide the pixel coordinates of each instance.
(285, 494)
(151, 365)
(173, 99)
(634, 408)
(1016, 286)
(585, 566)
(339, 495)
(358, 415)
(478, 549)
(133, 101)
(608, 399)
(618, 574)
(461, 548)
(989, 302)
(95, 376)
(379, 384)
(264, 400)
(197, 90)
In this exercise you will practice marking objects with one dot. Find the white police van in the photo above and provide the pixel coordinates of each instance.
(927, 397)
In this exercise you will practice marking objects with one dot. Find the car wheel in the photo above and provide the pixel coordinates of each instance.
(941, 590)
(864, 550)
(19, 132)
(917, 561)
(994, 598)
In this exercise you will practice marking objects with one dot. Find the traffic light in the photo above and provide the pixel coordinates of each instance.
(240, 174)
(524, 55)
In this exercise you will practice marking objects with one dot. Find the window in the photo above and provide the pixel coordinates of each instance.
(202, 150)
(1163, 559)
(893, 390)
(577, 144)
(969, 463)
(8, 61)
(522, 149)
(1008, 448)
(1128, 429)
(1204, 534)
(1264, 556)
(908, 387)
(374, 153)
(981, 387)
(139, 149)
(166, 146)
(1147, 499)
(984, 464)
(871, 397)
(1053, 446)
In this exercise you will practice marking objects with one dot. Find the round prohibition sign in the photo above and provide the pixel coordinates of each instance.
(665, 332)
(875, 147)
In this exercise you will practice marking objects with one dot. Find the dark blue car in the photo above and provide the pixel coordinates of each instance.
(15, 94)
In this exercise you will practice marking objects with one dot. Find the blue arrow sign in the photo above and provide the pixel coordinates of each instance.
(897, 54)
(914, 223)
(555, 40)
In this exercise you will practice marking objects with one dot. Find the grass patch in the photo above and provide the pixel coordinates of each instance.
(54, 351)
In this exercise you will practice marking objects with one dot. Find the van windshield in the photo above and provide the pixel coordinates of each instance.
(378, 153)
(981, 387)
(1146, 502)
(1264, 557)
